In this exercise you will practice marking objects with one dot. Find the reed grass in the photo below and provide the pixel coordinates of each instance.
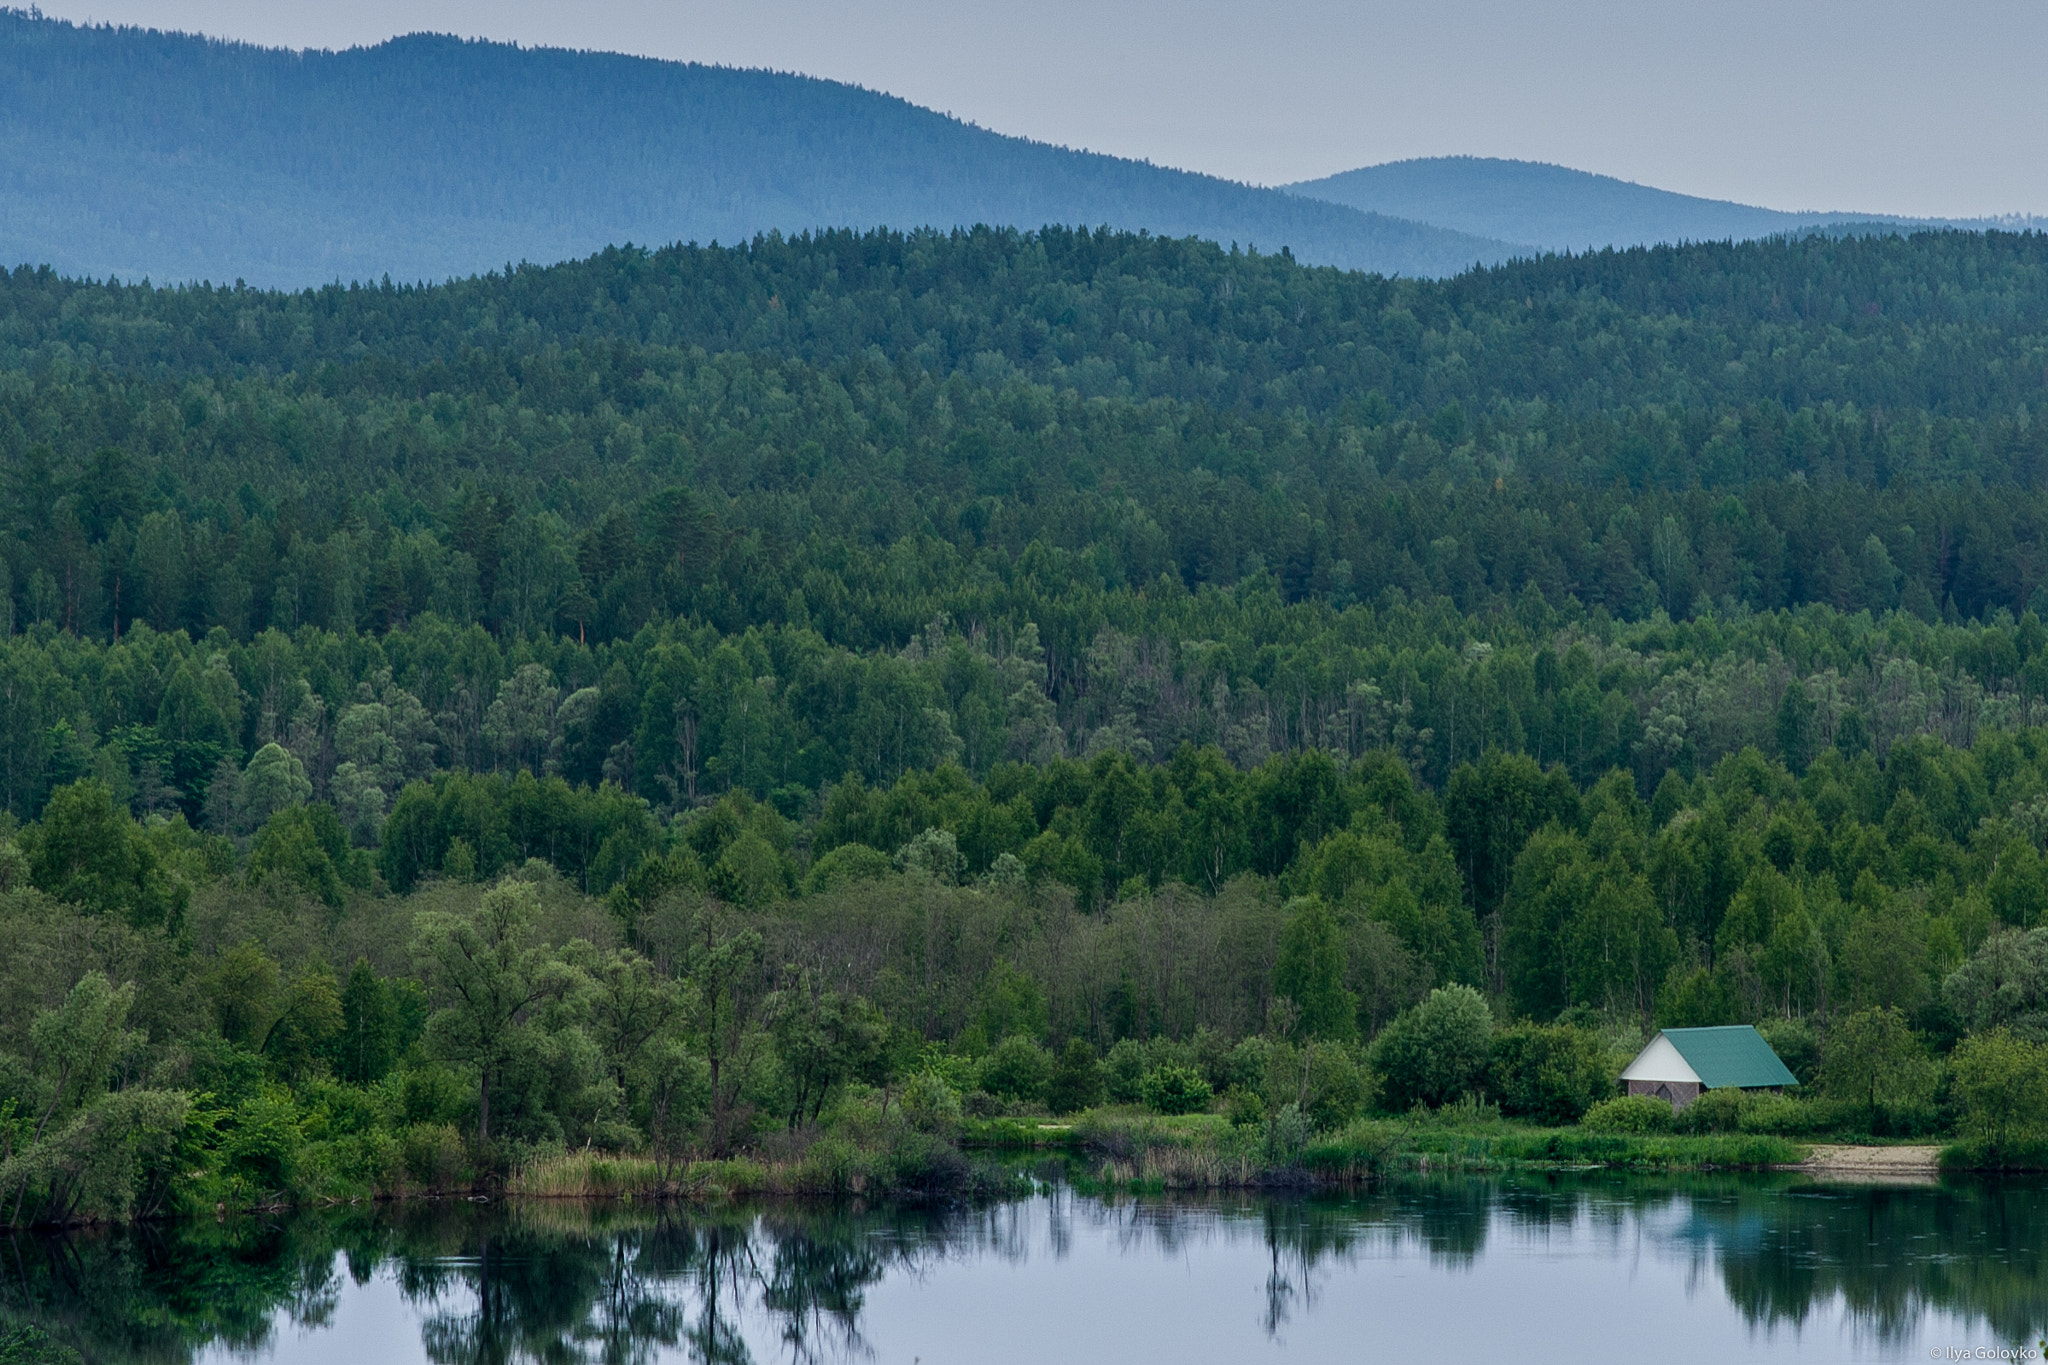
(590, 1175)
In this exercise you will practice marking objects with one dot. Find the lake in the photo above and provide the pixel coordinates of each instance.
(1578, 1268)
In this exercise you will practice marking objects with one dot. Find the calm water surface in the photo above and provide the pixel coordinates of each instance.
(1533, 1269)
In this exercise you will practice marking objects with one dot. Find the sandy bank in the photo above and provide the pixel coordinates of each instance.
(1843, 1162)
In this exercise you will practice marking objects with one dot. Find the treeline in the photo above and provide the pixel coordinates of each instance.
(196, 1018)
(682, 713)
(1746, 893)
(1948, 323)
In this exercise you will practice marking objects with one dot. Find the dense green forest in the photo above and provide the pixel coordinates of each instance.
(678, 700)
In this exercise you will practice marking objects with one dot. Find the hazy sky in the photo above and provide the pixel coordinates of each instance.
(1876, 105)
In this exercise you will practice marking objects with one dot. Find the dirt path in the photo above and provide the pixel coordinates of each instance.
(1873, 1163)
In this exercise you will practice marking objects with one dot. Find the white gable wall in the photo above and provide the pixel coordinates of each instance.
(1660, 1061)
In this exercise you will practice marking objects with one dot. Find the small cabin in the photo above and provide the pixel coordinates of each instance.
(1679, 1063)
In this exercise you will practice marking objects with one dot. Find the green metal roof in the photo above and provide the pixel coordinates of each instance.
(1733, 1056)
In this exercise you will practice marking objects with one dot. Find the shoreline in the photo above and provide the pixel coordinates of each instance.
(1847, 1163)
(1142, 1153)
(1201, 1151)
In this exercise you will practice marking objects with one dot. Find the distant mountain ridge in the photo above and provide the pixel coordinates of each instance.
(141, 153)
(138, 152)
(1554, 208)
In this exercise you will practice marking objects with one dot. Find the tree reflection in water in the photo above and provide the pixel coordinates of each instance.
(562, 1283)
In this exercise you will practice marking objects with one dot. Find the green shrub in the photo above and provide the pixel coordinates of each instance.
(359, 1163)
(1287, 1135)
(1337, 1089)
(433, 1094)
(1018, 1069)
(926, 1166)
(1209, 1054)
(335, 1110)
(1549, 1074)
(1797, 1116)
(264, 1145)
(1437, 1051)
(31, 1345)
(1244, 1107)
(1245, 1066)
(433, 1155)
(1469, 1110)
(1123, 1071)
(1631, 1114)
(930, 1105)
(1076, 1079)
(1717, 1111)
(1874, 1058)
(2001, 1084)
(1797, 1046)
(980, 1104)
(1176, 1090)
(2020, 1154)
(831, 1165)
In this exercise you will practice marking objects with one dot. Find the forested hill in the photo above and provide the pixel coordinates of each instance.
(984, 494)
(1556, 208)
(1950, 325)
(856, 664)
(1033, 635)
(143, 153)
